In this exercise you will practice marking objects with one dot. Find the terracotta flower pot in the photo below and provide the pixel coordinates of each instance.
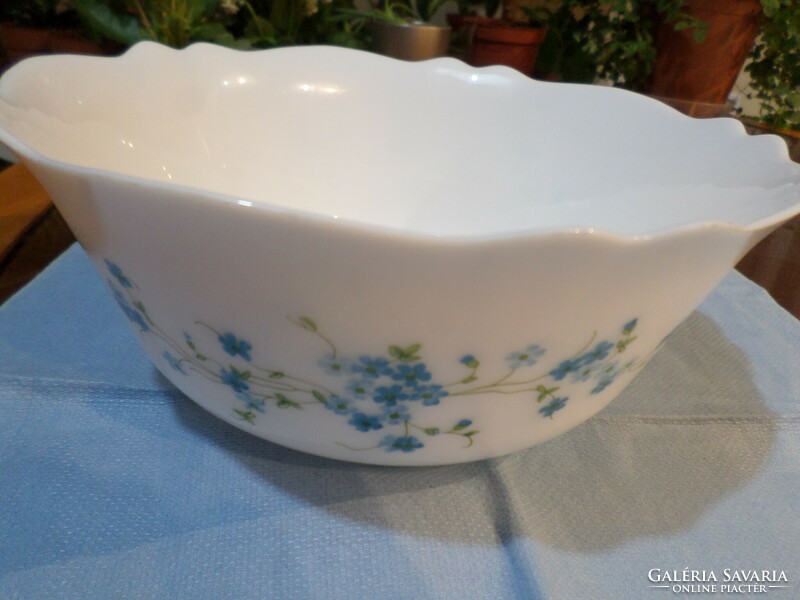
(68, 41)
(705, 72)
(17, 42)
(498, 42)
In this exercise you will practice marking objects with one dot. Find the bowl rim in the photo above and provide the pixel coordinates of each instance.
(31, 156)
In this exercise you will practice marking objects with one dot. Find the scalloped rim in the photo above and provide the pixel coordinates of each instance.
(737, 131)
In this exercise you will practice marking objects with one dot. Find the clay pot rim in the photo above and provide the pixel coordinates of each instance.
(509, 33)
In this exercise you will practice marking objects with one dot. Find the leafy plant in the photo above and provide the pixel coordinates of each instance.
(612, 41)
(175, 23)
(397, 11)
(234, 23)
(774, 66)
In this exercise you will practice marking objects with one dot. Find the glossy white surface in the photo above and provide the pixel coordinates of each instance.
(420, 214)
(327, 131)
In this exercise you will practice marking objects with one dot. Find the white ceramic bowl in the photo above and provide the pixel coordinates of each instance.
(389, 262)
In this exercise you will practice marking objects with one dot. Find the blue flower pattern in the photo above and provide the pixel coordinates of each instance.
(406, 443)
(173, 362)
(381, 391)
(556, 404)
(234, 346)
(117, 273)
(134, 314)
(364, 422)
(527, 357)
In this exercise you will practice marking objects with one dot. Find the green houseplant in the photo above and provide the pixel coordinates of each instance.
(617, 42)
(774, 66)
(235, 23)
(175, 23)
(612, 41)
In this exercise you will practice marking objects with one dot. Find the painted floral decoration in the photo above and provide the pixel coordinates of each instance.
(387, 392)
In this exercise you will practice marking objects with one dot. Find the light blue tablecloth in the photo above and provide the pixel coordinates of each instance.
(114, 485)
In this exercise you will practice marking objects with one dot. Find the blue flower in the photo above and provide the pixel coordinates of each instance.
(565, 368)
(527, 357)
(556, 404)
(234, 379)
(339, 405)
(133, 315)
(430, 394)
(600, 352)
(411, 374)
(404, 444)
(333, 365)
(389, 395)
(251, 401)
(358, 388)
(602, 384)
(173, 362)
(118, 275)
(394, 415)
(583, 373)
(364, 422)
(233, 346)
(372, 367)
(469, 360)
(463, 424)
(606, 377)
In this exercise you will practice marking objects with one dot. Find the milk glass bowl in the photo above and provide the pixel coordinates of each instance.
(389, 262)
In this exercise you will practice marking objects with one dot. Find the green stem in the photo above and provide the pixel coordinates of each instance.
(586, 346)
(316, 332)
(310, 384)
(491, 387)
(357, 449)
(145, 20)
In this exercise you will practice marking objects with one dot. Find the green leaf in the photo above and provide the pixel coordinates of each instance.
(201, 357)
(413, 349)
(319, 396)
(100, 19)
(544, 392)
(432, 431)
(470, 433)
(407, 354)
(215, 33)
(622, 345)
(699, 35)
(284, 402)
(276, 375)
(246, 415)
(307, 323)
(244, 375)
(770, 6)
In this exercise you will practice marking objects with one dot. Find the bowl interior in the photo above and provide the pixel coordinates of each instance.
(435, 148)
